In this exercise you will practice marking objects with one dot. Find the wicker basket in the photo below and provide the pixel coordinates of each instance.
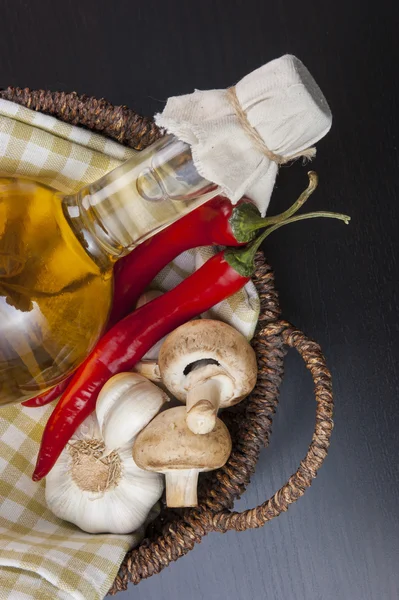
(175, 532)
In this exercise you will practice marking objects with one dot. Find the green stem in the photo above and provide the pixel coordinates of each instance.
(313, 182)
(245, 219)
(242, 259)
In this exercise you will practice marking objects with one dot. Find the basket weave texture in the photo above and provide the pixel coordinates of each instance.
(175, 532)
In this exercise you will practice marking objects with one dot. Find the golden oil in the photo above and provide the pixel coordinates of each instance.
(54, 298)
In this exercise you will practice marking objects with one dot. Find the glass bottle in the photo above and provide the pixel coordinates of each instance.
(57, 254)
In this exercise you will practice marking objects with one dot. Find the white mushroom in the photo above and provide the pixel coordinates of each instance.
(208, 365)
(168, 446)
(148, 369)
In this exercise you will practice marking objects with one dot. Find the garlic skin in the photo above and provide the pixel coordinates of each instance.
(95, 483)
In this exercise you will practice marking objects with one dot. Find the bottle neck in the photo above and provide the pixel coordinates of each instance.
(136, 200)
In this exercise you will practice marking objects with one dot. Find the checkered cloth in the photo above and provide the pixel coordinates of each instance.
(41, 556)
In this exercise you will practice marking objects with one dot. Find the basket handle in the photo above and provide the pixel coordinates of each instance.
(297, 484)
(117, 122)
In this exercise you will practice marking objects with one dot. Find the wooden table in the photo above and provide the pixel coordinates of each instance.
(339, 284)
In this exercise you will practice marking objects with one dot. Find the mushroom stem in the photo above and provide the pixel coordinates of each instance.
(181, 488)
(203, 401)
(149, 369)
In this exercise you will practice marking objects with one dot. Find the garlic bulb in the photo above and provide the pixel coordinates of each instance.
(95, 483)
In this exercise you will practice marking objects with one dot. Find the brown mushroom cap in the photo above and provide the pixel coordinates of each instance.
(168, 444)
(210, 340)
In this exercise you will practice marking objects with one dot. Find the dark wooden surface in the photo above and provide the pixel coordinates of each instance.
(339, 284)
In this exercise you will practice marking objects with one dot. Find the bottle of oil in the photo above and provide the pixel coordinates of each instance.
(57, 254)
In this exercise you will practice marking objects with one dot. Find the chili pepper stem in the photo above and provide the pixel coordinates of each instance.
(313, 183)
(246, 220)
(242, 259)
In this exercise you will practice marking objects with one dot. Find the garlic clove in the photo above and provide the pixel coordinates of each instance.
(125, 405)
(89, 429)
(138, 491)
(110, 393)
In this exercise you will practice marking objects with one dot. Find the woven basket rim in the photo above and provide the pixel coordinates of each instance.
(175, 532)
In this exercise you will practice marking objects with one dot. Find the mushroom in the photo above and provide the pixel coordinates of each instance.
(168, 446)
(208, 365)
(149, 369)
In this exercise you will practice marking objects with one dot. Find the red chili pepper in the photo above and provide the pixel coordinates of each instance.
(127, 342)
(48, 396)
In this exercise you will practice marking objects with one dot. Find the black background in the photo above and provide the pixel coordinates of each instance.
(337, 283)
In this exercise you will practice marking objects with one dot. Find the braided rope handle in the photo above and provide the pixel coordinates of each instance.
(289, 493)
(117, 122)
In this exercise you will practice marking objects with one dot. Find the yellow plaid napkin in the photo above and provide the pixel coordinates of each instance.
(41, 556)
